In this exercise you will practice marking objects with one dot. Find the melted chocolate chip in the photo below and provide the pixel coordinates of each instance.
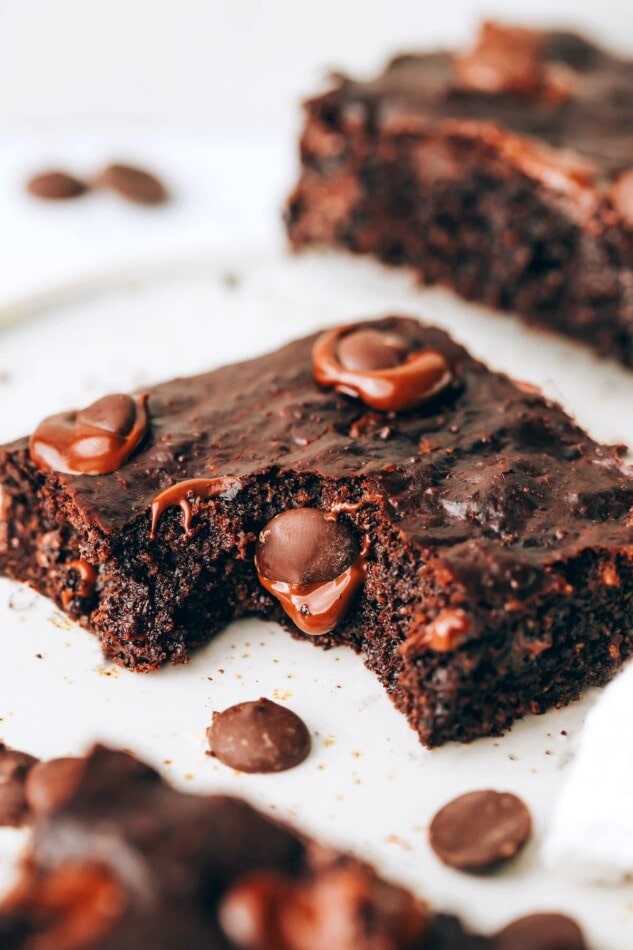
(313, 564)
(132, 183)
(116, 413)
(50, 784)
(305, 546)
(480, 829)
(14, 769)
(55, 186)
(371, 349)
(505, 60)
(259, 736)
(407, 380)
(183, 493)
(541, 932)
(93, 441)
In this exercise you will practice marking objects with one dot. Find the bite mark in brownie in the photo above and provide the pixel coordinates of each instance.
(504, 172)
(498, 575)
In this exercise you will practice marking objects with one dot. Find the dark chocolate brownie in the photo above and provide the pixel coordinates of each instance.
(476, 548)
(505, 173)
(125, 862)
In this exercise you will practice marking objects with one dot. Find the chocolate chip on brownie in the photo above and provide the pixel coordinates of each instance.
(93, 441)
(377, 367)
(259, 736)
(370, 349)
(313, 564)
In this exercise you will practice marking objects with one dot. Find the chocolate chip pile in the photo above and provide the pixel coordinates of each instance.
(134, 184)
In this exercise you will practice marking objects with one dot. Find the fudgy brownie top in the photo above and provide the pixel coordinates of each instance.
(487, 474)
(553, 86)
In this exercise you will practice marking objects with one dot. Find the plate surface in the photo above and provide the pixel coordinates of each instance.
(367, 785)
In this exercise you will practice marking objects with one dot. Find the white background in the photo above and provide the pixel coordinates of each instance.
(219, 63)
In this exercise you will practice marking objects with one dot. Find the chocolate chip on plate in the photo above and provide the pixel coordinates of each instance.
(305, 546)
(14, 769)
(541, 932)
(55, 186)
(480, 829)
(133, 183)
(371, 349)
(50, 784)
(259, 736)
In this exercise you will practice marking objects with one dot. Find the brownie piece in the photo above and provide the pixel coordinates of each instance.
(504, 172)
(490, 554)
(125, 861)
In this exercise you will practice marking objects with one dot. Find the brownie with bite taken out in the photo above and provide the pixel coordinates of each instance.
(374, 486)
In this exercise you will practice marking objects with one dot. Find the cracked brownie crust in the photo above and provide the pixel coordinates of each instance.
(496, 535)
(504, 172)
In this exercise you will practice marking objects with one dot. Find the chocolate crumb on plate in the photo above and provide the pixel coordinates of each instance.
(259, 736)
(480, 830)
(135, 184)
(55, 186)
(14, 770)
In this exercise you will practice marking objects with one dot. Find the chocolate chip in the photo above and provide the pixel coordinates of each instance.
(305, 546)
(67, 442)
(55, 186)
(541, 932)
(480, 829)
(258, 736)
(132, 183)
(371, 350)
(14, 769)
(50, 784)
(116, 413)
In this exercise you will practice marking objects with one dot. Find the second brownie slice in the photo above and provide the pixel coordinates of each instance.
(374, 486)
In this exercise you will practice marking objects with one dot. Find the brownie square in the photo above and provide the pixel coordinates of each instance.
(494, 574)
(504, 172)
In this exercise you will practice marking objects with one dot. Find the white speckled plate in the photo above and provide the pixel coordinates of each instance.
(367, 785)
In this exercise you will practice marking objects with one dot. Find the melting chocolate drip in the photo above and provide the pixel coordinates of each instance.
(181, 494)
(312, 564)
(404, 381)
